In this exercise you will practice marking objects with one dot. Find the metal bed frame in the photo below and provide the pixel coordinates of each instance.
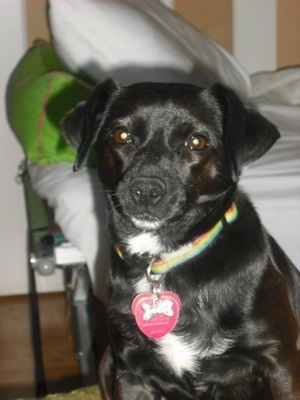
(42, 242)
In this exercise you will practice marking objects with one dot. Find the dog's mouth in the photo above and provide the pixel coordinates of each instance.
(147, 222)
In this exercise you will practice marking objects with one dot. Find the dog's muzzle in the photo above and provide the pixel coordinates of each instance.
(147, 191)
(149, 201)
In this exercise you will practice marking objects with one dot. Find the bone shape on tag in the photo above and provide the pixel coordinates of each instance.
(159, 307)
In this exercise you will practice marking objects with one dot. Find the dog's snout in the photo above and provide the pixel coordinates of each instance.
(147, 191)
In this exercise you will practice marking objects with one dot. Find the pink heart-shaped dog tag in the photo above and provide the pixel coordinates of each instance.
(156, 315)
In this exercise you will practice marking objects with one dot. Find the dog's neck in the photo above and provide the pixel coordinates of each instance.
(148, 246)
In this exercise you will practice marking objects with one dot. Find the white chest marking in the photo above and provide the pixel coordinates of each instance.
(185, 355)
(143, 243)
(181, 356)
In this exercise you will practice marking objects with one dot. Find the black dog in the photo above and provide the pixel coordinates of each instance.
(203, 304)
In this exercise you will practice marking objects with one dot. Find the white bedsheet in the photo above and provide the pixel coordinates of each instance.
(273, 181)
(78, 203)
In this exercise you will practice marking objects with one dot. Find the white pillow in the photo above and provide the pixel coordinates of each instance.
(139, 40)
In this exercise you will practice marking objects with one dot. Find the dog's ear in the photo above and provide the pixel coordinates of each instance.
(247, 134)
(81, 126)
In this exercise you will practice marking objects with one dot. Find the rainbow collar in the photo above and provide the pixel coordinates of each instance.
(171, 260)
(195, 248)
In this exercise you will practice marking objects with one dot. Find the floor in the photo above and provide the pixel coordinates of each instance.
(16, 359)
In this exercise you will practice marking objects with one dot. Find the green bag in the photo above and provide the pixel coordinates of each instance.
(39, 92)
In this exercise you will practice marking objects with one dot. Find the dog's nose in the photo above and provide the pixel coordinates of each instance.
(147, 191)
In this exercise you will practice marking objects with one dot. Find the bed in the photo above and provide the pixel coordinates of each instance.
(142, 40)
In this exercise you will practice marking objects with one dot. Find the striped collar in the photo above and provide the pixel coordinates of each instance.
(191, 250)
(195, 248)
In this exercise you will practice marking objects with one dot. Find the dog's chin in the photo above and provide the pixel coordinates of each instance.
(147, 224)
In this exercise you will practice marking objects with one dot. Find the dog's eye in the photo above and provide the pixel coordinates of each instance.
(196, 142)
(120, 136)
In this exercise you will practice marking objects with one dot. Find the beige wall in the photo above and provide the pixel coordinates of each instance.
(216, 24)
(36, 16)
(213, 17)
(288, 33)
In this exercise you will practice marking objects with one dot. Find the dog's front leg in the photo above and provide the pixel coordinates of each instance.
(130, 387)
(106, 375)
(117, 384)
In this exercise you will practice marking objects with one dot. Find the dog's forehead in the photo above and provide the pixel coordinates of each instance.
(162, 102)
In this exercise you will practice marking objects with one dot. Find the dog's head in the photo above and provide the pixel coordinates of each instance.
(164, 150)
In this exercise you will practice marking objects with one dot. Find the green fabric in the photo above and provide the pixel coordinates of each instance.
(39, 92)
(88, 393)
